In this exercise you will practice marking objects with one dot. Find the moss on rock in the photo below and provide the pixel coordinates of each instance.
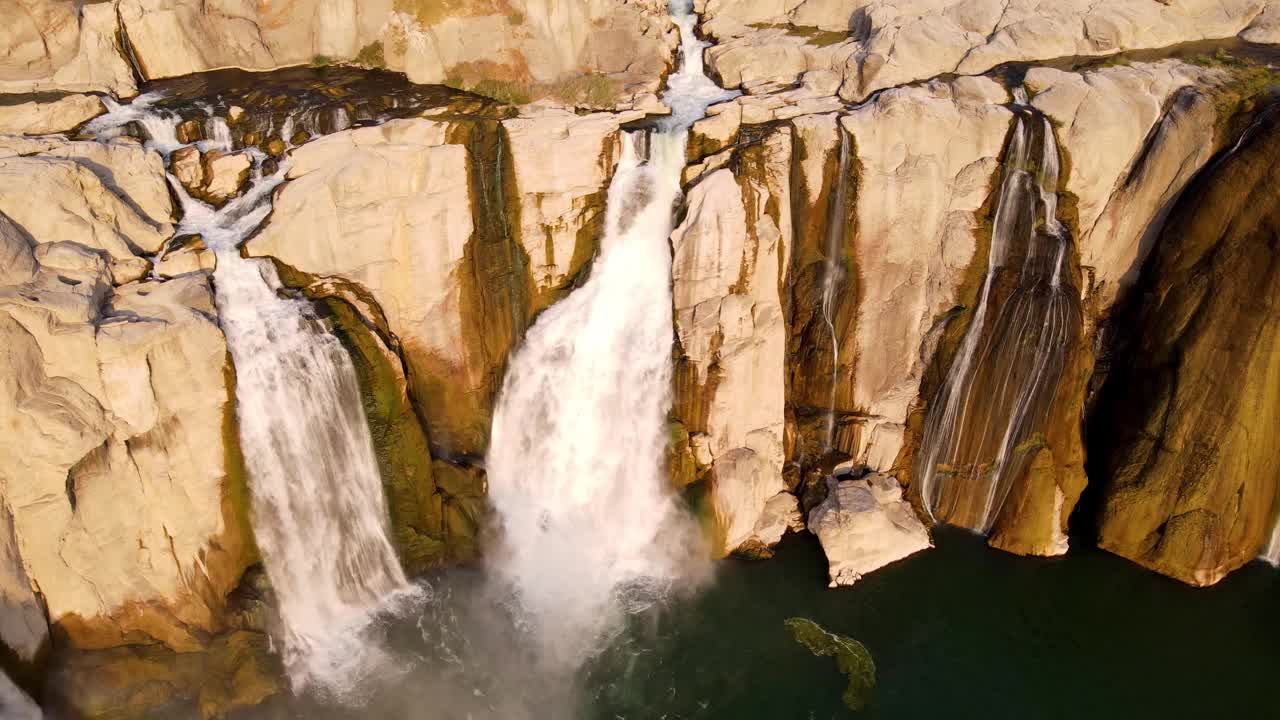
(852, 657)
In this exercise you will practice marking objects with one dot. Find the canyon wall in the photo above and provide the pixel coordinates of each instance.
(827, 262)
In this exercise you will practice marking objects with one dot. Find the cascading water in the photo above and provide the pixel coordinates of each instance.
(833, 274)
(1271, 551)
(589, 527)
(14, 704)
(988, 419)
(318, 506)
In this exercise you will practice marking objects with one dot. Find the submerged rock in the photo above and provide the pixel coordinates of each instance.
(852, 657)
(865, 524)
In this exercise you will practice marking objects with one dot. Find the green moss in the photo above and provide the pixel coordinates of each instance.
(372, 55)
(852, 657)
(319, 60)
(404, 456)
(1249, 79)
(594, 90)
(816, 37)
(511, 92)
(236, 484)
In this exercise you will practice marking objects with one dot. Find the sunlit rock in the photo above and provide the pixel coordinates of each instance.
(52, 45)
(36, 117)
(729, 252)
(865, 524)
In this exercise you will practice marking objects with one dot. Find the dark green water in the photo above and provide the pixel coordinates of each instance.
(961, 631)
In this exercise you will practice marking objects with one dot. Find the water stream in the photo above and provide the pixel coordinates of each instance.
(987, 422)
(833, 273)
(589, 529)
(319, 514)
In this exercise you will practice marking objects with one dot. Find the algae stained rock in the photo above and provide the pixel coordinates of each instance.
(852, 657)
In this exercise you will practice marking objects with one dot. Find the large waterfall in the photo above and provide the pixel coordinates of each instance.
(987, 421)
(589, 526)
(319, 514)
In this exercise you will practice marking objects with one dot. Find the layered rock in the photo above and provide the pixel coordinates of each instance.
(38, 116)
(865, 524)
(1185, 428)
(730, 255)
(881, 44)
(593, 53)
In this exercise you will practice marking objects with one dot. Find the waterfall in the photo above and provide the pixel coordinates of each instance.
(319, 513)
(833, 273)
(987, 421)
(14, 704)
(589, 527)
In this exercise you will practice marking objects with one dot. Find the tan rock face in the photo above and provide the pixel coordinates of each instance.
(112, 198)
(122, 506)
(1186, 424)
(49, 45)
(515, 43)
(402, 211)
(1123, 179)
(877, 44)
(115, 392)
(36, 117)
(729, 256)
(926, 158)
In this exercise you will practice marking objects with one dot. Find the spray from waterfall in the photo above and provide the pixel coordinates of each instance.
(589, 528)
(319, 513)
(988, 420)
(833, 274)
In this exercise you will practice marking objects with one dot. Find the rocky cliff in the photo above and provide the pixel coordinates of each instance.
(828, 260)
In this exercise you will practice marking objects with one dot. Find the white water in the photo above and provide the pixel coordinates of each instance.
(833, 273)
(318, 507)
(14, 704)
(1010, 370)
(590, 529)
(1271, 552)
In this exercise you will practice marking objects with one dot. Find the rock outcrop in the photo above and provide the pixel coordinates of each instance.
(127, 514)
(881, 44)
(62, 45)
(1185, 429)
(730, 254)
(865, 524)
(37, 116)
(596, 52)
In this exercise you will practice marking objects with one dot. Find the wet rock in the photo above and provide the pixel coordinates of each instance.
(225, 174)
(185, 255)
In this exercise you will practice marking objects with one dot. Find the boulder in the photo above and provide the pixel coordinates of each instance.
(865, 524)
